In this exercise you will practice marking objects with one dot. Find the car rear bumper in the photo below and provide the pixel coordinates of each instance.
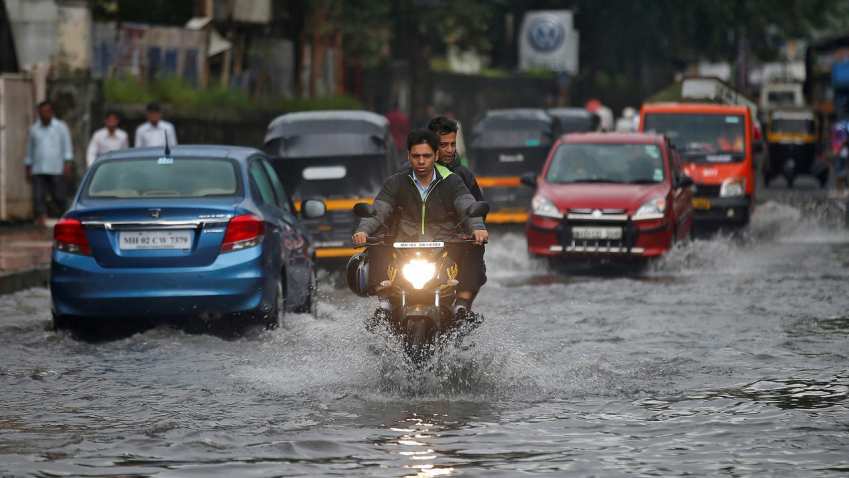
(234, 283)
(545, 238)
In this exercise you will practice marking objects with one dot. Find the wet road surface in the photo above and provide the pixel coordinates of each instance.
(730, 358)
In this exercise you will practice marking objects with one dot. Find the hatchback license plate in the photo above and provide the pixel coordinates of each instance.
(603, 233)
(168, 240)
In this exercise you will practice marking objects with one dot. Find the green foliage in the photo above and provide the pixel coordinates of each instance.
(126, 90)
(185, 98)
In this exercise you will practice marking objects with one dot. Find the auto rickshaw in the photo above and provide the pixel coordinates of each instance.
(342, 157)
(792, 146)
(506, 144)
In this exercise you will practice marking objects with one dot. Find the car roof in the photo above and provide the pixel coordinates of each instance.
(613, 138)
(188, 150)
(518, 113)
(569, 112)
(290, 123)
(708, 108)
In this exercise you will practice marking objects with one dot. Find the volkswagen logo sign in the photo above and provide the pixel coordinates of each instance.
(546, 34)
(597, 214)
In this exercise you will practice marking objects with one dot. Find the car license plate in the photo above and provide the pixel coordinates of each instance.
(701, 203)
(167, 240)
(603, 233)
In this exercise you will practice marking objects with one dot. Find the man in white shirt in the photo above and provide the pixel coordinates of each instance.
(152, 132)
(50, 155)
(109, 138)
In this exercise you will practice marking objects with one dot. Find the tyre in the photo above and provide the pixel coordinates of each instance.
(418, 343)
(790, 180)
(310, 305)
(270, 316)
(61, 322)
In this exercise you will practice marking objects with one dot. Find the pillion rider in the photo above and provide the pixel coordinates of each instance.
(447, 131)
(428, 201)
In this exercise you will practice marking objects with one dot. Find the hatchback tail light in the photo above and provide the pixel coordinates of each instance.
(69, 236)
(243, 232)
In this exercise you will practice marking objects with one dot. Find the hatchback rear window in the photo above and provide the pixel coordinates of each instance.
(163, 177)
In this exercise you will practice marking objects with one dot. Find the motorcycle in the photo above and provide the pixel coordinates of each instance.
(420, 288)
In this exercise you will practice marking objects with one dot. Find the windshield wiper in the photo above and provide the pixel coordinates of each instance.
(610, 181)
(643, 181)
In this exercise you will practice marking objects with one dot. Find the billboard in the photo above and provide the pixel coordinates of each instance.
(548, 40)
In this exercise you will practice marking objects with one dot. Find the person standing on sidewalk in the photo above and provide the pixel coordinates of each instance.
(106, 139)
(49, 160)
(152, 132)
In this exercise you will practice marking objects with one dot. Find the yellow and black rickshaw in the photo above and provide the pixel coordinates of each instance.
(792, 146)
(505, 145)
(342, 157)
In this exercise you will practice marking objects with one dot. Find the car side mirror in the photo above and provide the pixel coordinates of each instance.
(529, 179)
(685, 181)
(363, 210)
(477, 209)
(313, 209)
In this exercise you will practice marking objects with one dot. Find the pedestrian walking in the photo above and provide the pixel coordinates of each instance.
(49, 159)
(106, 139)
(152, 133)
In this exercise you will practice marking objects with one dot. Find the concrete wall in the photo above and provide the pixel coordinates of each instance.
(16, 116)
(50, 32)
(34, 25)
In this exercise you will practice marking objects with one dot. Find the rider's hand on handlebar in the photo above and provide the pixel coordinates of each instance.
(359, 238)
(481, 236)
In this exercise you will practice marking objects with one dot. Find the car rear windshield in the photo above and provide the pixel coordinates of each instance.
(606, 163)
(502, 133)
(163, 177)
(711, 138)
(333, 177)
(792, 126)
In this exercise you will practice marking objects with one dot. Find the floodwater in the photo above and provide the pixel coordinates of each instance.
(729, 358)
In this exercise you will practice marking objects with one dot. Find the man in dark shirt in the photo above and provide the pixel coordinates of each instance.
(446, 129)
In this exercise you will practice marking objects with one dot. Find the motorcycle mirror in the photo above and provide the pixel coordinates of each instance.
(478, 209)
(363, 210)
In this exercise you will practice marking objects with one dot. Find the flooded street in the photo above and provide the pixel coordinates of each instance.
(730, 357)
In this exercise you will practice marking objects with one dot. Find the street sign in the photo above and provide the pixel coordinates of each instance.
(548, 40)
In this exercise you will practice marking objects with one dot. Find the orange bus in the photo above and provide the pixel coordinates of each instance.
(715, 144)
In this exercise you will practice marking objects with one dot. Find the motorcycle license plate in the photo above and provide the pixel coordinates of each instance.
(602, 233)
(418, 245)
(701, 203)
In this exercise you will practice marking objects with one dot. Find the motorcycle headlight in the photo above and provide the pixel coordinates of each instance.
(652, 209)
(418, 272)
(542, 206)
(733, 187)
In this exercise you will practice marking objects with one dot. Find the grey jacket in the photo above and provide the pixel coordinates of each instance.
(440, 216)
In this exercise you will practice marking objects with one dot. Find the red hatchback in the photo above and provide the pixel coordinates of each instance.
(609, 195)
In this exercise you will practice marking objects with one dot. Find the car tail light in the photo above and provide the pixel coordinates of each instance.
(69, 236)
(242, 232)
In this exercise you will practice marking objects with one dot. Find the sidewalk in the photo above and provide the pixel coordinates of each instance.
(24, 256)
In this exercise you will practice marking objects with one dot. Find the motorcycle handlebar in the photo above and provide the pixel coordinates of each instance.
(378, 241)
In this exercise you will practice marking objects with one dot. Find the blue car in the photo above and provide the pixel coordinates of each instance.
(197, 231)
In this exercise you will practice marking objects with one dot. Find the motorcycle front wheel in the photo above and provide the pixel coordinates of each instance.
(418, 340)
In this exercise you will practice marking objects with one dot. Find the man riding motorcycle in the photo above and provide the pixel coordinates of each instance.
(447, 130)
(428, 202)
